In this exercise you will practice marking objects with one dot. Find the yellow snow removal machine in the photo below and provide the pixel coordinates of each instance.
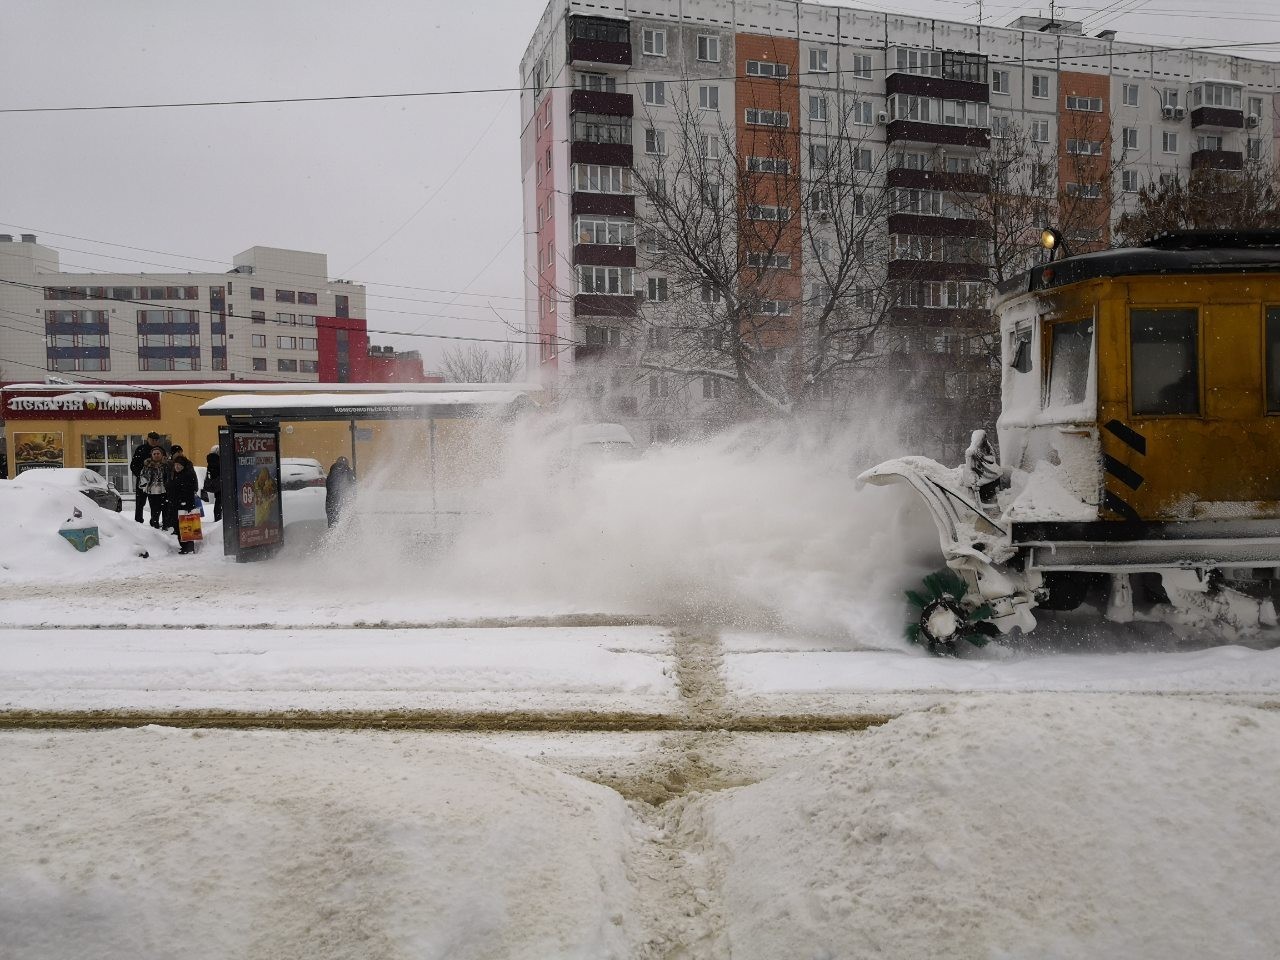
(1139, 448)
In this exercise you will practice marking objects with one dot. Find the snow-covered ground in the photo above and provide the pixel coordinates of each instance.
(1101, 792)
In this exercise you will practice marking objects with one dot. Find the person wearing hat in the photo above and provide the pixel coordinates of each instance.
(141, 454)
(213, 481)
(339, 485)
(182, 493)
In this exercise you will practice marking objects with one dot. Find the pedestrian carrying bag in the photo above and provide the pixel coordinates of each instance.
(189, 527)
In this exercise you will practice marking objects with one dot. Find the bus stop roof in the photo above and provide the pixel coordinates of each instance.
(395, 405)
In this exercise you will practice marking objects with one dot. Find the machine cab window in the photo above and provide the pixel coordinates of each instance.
(1164, 361)
(1070, 356)
(1273, 359)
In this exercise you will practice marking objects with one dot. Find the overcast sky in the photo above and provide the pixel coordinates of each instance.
(339, 178)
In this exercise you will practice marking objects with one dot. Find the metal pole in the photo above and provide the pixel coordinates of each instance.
(431, 450)
(353, 446)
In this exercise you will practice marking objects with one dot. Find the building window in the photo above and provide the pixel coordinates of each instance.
(653, 42)
(818, 108)
(657, 289)
(258, 316)
(1170, 141)
(589, 128)
(818, 155)
(709, 146)
(1255, 107)
(1085, 191)
(260, 363)
(307, 298)
(818, 61)
(1129, 181)
(258, 340)
(287, 366)
(1129, 138)
(288, 318)
(656, 338)
(861, 113)
(611, 231)
(1164, 363)
(760, 212)
(1000, 81)
(1040, 86)
(1086, 148)
(1253, 148)
(306, 343)
(767, 118)
(709, 49)
(655, 142)
(711, 388)
(771, 164)
(308, 366)
(860, 65)
(286, 343)
(340, 305)
(708, 98)
(767, 68)
(1039, 131)
(1085, 104)
(593, 178)
(1216, 95)
(773, 308)
(1208, 142)
(257, 293)
(597, 82)
(655, 93)
(285, 296)
(1129, 94)
(861, 158)
(710, 293)
(610, 280)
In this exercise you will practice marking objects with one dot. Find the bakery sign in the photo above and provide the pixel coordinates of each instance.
(79, 405)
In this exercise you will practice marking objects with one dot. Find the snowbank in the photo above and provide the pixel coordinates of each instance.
(1027, 828)
(31, 549)
(160, 843)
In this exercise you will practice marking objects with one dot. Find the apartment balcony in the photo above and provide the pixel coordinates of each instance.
(1220, 118)
(942, 87)
(1217, 160)
(602, 103)
(938, 134)
(609, 305)
(604, 255)
(599, 40)
(605, 154)
(603, 204)
(925, 225)
(938, 180)
(936, 270)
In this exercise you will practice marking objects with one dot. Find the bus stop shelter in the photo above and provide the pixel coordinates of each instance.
(259, 415)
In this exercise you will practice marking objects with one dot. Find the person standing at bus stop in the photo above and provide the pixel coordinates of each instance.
(339, 485)
(213, 481)
(152, 485)
(142, 454)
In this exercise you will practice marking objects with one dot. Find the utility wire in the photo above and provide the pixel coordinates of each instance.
(1110, 54)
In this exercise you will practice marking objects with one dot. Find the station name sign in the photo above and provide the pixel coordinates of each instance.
(80, 405)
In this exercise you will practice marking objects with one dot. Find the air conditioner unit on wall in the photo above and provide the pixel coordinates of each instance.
(1179, 113)
(1252, 120)
(1166, 112)
(882, 117)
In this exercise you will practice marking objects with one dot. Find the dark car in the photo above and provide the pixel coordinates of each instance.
(93, 485)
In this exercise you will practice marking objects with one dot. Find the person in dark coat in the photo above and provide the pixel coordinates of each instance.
(339, 485)
(213, 482)
(141, 454)
(183, 491)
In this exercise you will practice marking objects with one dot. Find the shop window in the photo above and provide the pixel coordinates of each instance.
(1164, 359)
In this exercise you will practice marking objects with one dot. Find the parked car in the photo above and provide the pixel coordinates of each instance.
(92, 484)
(299, 472)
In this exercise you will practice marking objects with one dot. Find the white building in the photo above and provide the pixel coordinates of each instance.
(257, 321)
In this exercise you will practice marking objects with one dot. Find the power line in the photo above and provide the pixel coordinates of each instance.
(1110, 54)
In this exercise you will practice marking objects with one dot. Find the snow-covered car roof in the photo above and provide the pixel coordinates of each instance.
(62, 477)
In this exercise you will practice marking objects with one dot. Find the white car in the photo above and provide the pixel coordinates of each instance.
(299, 472)
(89, 482)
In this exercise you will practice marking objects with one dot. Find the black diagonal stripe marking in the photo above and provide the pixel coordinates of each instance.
(1130, 436)
(1116, 505)
(1125, 474)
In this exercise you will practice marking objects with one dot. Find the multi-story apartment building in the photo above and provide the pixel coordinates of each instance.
(931, 99)
(274, 315)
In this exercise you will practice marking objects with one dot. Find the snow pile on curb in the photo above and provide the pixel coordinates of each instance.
(1051, 827)
(226, 845)
(31, 549)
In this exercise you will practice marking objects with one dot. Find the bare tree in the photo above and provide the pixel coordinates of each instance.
(1206, 199)
(476, 363)
(773, 308)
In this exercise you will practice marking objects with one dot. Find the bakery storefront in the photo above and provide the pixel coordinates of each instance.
(66, 427)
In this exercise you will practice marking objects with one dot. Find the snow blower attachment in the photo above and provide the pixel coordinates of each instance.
(1136, 455)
